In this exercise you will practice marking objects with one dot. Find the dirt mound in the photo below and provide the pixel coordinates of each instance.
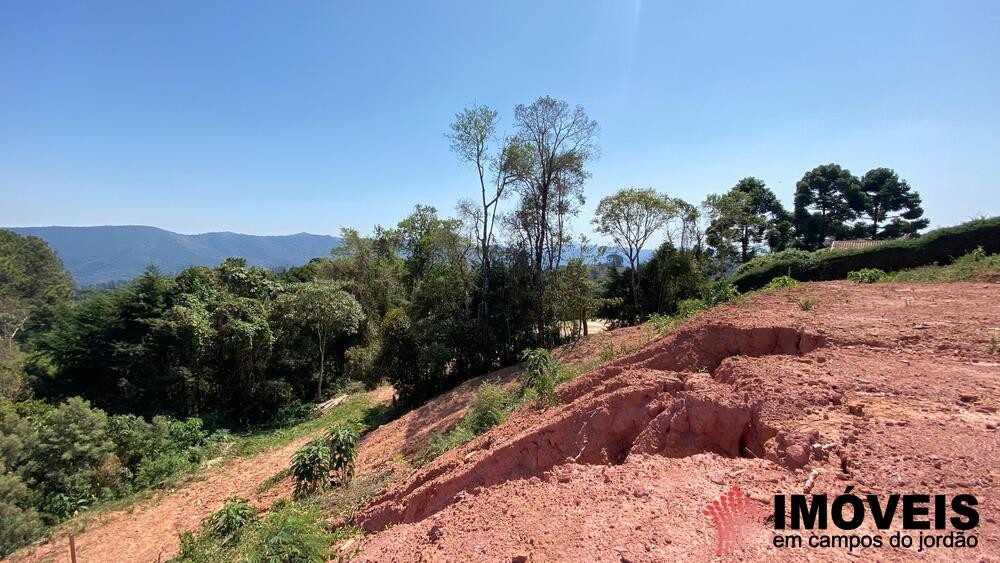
(652, 402)
(889, 388)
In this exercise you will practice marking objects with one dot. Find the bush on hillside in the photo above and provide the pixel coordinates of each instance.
(232, 517)
(540, 376)
(311, 467)
(939, 246)
(291, 534)
(489, 408)
(866, 275)
(969, 267)
(73, 442)
(343, 443)
(19, 522)
(781, 282)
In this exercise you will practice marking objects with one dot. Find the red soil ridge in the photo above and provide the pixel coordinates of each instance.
(889, 388)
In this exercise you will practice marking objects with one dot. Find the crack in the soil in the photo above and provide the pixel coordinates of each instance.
(658, 401)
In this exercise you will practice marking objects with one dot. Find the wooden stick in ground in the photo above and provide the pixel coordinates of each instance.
(72, 549)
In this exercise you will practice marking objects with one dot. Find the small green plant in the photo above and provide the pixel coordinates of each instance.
(343, 443)
(441, 442)
(489, 408)
(781, 282)
(689, 307)
(866, 275)
(807, 303)
(311, 466)
(193, 548)
(291, 535)
(720, 292)
(232, 517)
(608, 353)
(540, 376)
(994, 346)
(664, 323)
(977, 255)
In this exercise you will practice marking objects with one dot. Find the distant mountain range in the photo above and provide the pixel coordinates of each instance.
(95, 255)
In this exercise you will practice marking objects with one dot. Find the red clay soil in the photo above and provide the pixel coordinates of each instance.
(407, 435)
(889, 388)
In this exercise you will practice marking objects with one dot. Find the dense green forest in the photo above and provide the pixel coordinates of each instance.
(107, 392)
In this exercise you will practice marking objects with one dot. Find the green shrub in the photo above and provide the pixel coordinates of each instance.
(441, 442)
(232, 517)
(719, 293)
(781, 282)
(291, 535)
(866, 275)
(343, 443)
(664, 323)
(311, 467)
(157, 471)
(608, 353)
(940, 246)
(360, 364)
(19, 522)
(72, 443)
(688, 307)
(539, 377)
(489, 408)
(151, 452)
(968, 267)
(193, 548)
(293, 413)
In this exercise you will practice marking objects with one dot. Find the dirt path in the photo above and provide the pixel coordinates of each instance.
(149, 530)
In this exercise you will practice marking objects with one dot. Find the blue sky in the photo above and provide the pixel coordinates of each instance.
(281, 117)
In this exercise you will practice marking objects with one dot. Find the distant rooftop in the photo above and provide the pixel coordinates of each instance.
(855, 244)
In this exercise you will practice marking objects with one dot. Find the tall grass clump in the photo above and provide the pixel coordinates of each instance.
(781, 282)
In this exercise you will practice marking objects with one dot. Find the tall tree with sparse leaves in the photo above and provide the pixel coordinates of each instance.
(473, 138)
(559, 141)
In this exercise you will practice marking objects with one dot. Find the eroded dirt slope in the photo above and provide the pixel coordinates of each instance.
(890, 388)
(149, 530)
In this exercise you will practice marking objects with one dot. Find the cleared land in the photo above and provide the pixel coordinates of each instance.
(890, 388)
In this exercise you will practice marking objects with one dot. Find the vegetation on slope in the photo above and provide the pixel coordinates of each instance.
(941, 246)
(106, 393)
